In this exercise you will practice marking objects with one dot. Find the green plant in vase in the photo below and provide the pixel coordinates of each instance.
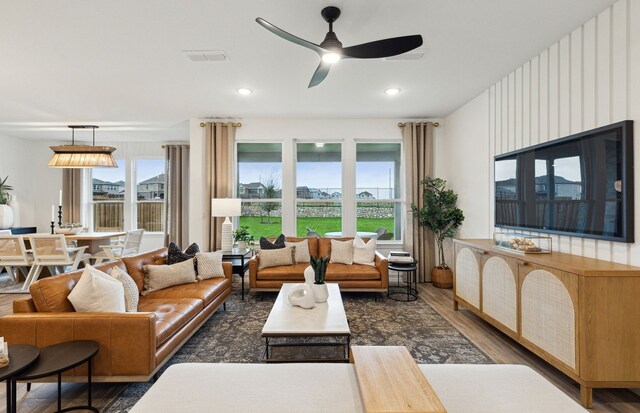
(319, 287)
(242, 237)
(6, 212)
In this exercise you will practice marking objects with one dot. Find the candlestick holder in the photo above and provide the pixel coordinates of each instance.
(60, 215)
(53, 227)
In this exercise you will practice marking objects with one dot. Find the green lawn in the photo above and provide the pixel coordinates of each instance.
(319, 225)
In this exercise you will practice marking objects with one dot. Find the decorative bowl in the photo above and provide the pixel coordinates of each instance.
(69, 231)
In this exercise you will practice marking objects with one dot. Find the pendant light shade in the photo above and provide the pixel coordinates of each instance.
(82, 156)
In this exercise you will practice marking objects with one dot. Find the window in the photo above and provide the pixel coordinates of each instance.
(108, 196)
(378, 190)
(150, 184)
(319, 188)
(260, 188)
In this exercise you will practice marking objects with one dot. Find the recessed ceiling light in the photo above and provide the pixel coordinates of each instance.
(244, 91)
(392, 91)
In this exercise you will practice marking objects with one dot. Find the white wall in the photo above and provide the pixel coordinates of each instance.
(35, 185)
(284, 130)
(589, 78)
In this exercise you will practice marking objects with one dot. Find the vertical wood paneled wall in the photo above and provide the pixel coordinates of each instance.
(589, 78)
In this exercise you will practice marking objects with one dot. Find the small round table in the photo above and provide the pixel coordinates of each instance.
(411, 271)
(59, 358)
(21, 356)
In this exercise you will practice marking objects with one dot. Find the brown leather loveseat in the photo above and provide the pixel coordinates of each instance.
(133, 346)
(354, 277)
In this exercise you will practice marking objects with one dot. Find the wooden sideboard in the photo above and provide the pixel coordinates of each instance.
(579, 314)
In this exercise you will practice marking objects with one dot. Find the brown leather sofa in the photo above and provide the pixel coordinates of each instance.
(353, 277)
(133, 346)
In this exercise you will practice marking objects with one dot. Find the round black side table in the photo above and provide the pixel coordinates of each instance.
(21, 356)
(57, 359)
(411, 272)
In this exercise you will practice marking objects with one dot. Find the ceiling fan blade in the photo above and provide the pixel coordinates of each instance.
(288, 36)
(383, 48)
(320, 74)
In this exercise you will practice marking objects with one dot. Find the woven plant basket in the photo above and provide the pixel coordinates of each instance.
(442, 277)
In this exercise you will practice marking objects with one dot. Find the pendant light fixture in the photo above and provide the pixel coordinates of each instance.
(82, 156)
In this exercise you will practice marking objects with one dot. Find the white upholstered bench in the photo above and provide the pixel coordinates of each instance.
(305, 388)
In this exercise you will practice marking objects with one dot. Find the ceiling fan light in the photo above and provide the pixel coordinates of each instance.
(331, 57)
(82, 156)
(392, 91)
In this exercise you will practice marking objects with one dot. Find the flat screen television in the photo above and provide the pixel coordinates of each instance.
(580, 185)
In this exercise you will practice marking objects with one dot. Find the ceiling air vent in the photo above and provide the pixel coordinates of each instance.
(205, 55)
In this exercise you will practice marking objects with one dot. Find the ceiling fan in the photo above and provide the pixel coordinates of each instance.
(331, 50)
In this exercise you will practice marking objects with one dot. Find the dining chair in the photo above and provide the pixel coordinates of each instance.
(14, 256)
(51, 251)
(130, 245)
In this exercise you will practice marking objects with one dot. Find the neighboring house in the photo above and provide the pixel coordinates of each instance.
(303, 192)
(365, 195)
(152, 188)
(253, 190)
(336, 195)
(107, 190)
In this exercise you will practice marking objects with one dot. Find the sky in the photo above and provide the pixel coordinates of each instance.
(145, 169)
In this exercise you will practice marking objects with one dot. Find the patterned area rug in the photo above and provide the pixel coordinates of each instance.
(8, 286)
(234, 336)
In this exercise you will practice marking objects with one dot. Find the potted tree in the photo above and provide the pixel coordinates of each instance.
(6, 212)
(441, 215)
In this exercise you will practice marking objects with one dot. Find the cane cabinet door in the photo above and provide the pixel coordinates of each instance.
(467, 273)
(499, 291)
(549, 302)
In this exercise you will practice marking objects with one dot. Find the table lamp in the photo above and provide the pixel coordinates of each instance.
(226, 207)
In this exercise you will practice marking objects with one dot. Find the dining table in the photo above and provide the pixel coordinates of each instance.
(92, 240)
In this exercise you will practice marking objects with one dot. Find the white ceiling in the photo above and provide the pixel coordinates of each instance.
(120, 63)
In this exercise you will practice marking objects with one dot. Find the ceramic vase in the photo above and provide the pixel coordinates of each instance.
(302, 296)
(309, 276)
(6, 217)
(321, 292)
(242, 245)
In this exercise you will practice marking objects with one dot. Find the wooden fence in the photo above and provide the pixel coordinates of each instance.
(110, 215)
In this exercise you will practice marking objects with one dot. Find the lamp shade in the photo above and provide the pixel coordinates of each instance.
(225, 207)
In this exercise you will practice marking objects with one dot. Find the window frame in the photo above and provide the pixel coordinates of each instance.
(92, 202)
(134, 193)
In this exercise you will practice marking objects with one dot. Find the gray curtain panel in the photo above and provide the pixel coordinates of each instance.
(71, 195)
(219, 139)
(176, 200)
(418, 155)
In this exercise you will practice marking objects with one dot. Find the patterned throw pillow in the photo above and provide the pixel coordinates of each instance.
(158, 277)
(209, 265)
(302, 251)
(175, 254)
(276, 258)
(341, 252)
(364, 253)
(131, 292)
(265, 244)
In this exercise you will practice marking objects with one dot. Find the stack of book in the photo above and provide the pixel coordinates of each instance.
(4, 353)
(400, 257)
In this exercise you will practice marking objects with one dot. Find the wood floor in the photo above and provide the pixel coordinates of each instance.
(42, 397)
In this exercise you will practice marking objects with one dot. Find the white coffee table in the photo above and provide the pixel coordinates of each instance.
(324, 320)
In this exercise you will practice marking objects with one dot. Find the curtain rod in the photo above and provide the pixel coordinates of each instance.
(235, 125)
(435, 124)
(164, 146)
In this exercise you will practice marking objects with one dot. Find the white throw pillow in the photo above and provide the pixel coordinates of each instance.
(131, 292)
(364, 253)
(159, 277)
(302, 251)
(209, 265)
(276, 258)
(341, 252)
(97, 292)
